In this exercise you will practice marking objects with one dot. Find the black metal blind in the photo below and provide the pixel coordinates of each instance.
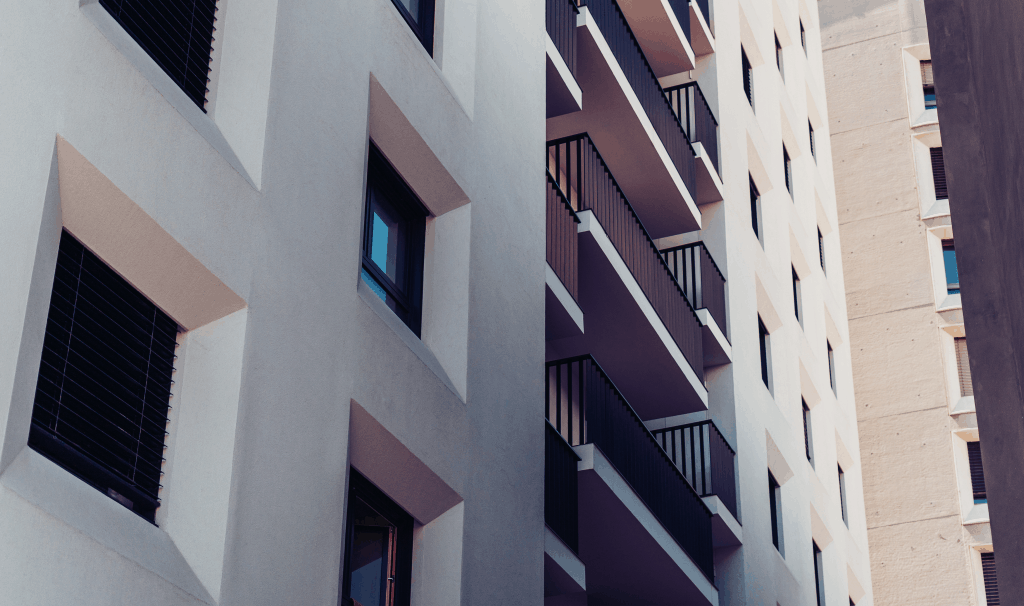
(788, 165)
(807, 428)
(104, 380)
(939, 174)
(963, 367)
(763, 338)
(748, 77)
(988, 571)
(821, 249)
(177, 34)
(754, 197)
(977, 471)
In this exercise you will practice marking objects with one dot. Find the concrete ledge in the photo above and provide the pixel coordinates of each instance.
(717, 349)
(564, 572)
(563, 93)
(563, 316)
(725, 529)
(702, 39)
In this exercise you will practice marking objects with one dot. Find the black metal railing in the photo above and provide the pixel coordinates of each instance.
(561, 25)
(563, 239)
(705, 458)
(561, 488)
(615, 29)
(699, 276)
(705, 9)
(682, 10)
(582, 175)
(699, 124)
(585, 407)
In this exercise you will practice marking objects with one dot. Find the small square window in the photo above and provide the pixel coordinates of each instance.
(104, 381)
(378, 548)
(419, 14)
(393, 236)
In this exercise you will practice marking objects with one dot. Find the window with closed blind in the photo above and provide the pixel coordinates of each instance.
(988, 571)
(939, 174)
(928, 84)
(104, 382)
(176, 34)
(748, 77)
(977, 472)
(963, 366)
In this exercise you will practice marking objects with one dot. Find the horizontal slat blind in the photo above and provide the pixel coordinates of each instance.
(177, 34)
(104, 380)
(977, 471)
(939, 174)
(926, 74)
(963, 367)
(988, 571)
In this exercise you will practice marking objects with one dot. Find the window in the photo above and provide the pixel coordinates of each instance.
(755, 210)
(928, 82)
(821, 250)
(831, 367)
(939, 174)
(952, 275)
(988, 572)
(748, 77)
(842, 496)
(419, 14)
(807, 431)
(766, 349)
(393, 241)
(963, 367)
(819, 575)
(803, 36)
(104, 381)
(977, 472)
(778, 57)
(796, 295)
(788, 166)
(775, 503)
(378, 548)
(176, 34)
(810, 135)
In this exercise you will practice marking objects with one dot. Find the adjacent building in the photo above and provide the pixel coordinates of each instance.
(924, 488)
(346, 303)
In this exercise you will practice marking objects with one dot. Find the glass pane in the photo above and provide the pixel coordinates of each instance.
(952, 276)
(384, 242)
(369, 547)
(374, 286)
(413, 6)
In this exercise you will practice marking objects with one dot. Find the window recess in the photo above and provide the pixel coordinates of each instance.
(176, 34)
(104, 381)
(939, 174)
(949, 262)
(928, 84)
(977, 472)
(419, 14)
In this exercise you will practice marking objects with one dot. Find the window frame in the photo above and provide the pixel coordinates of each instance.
(748, 76)
(808, 448)
(810, 136)
(778, 57)
(775, 510)
(384, 180)
(803, 36)
(831, 367)
(787, 164)
(765, 343)
(821, 251)
(755, 211)
(422, 25)
(797, 307)
(362, 488)
(819, 573)
(952, 288)
(842, 496)
(976, 469)
(926, 88)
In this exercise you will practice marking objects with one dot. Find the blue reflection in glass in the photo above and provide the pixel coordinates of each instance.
(374, 286)
(379, 244)
(952, 275)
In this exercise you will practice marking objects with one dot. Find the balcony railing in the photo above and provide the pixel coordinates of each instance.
(584, 407)
(699, 124)
(631, 59)
(705, 458)
(699, 276)
(561, 488)
(561, 26)
(562, 239)
(581, 173)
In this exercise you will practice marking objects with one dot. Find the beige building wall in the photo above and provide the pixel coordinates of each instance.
(924, 530)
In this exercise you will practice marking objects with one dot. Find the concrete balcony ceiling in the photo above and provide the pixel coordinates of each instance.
(660, 34)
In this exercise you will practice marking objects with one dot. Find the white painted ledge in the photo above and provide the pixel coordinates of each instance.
(565, 558)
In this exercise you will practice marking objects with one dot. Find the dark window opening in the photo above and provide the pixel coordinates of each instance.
(788, 165)
(775, 503)
(748, 77)
(952, 274)
(988, 572)
(810, 134)
(176, 34)
(842, 496)
(807, 430)
(821, 250)
(963, 366)
(819, 575)
(939, 174)
(378, 548)
(796, 295)
(419, 14)
(104, 382)
(831, 367)
(928, 83)
(778, 57)
(977, 472)
(393, 241)
(755, 209)
(803, 36)
(765, 352)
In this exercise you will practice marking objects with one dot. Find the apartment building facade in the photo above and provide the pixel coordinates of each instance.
(284, 309)
(697, 349)
(924, 490)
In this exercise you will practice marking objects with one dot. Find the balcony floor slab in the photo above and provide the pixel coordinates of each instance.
(717, 349)
(625, 138)
(701, 38)
(564, 573)
(657, 29)
(562, 314)
(625, 334)
(630, 557)
(725, 530)
(563, 93)
(709, 184)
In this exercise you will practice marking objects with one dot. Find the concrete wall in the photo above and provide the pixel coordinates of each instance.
(266, 194)
(891, 252)
(979, 61)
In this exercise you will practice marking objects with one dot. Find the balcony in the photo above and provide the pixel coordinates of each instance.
(639, 321)
(563, 317)
(563, 93)
(645, 535)
(628, 115)
(709, 464)
(662, 28)
(564, 573)
(701, 127)
(704, 286)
